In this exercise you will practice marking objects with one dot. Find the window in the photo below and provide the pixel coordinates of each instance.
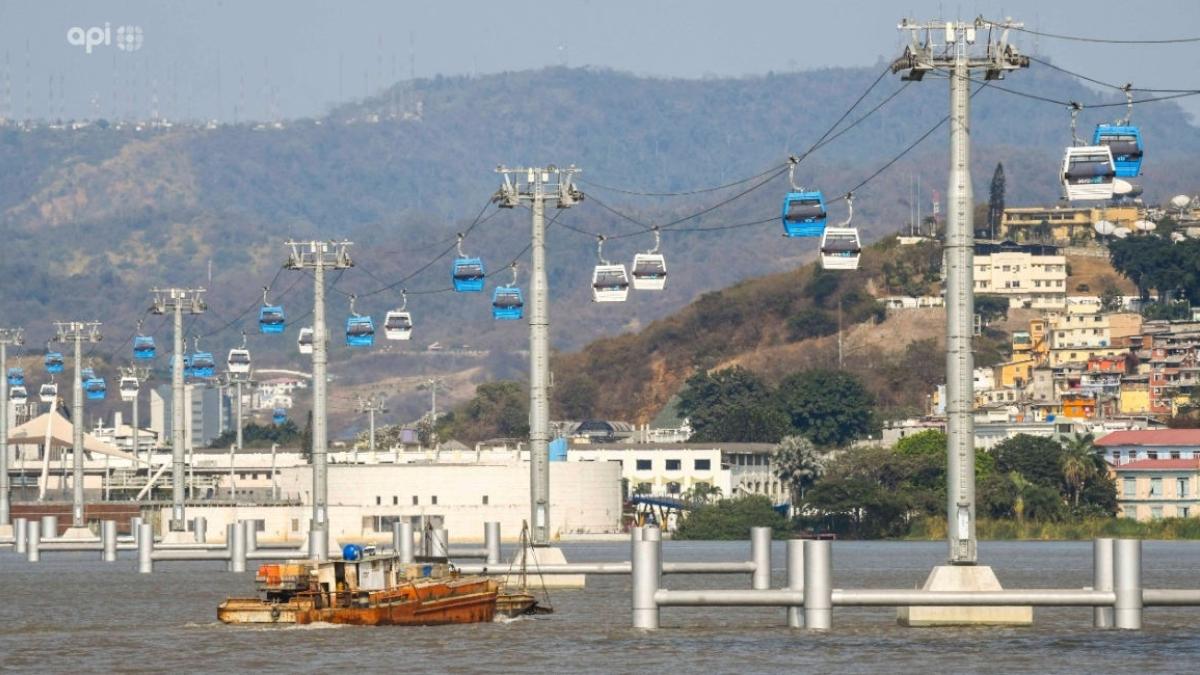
(1184, 512)
(673, 488)
(674, 464)
(433, 500)
(1130, 488)
(295, 524)
(1181, 487)
(642, 489)
(703, 464)
(416, 500)
(1156, 512)
(395, 500)
(644, 464)
(1156, 489)
(378, 500)
(485, 500)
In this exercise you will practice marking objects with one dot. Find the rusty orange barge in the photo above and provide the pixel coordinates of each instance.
(376, 590)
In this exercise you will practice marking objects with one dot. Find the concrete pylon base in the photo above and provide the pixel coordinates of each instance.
(78, 533)
(542, 555)
(177, 537)
(964, 578)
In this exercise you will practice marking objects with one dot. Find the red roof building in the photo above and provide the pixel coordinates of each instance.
(1122, 447)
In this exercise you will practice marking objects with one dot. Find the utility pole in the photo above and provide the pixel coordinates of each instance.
(947, 46)
(139, 374)
(432, 385)
(15, 337)
(178, 301)
(319, 256)
(537, 186)
(237, 380)
(370, 405)
(77, 332)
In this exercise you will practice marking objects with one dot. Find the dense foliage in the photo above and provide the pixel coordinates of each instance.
(262, 435)
(1170, 269)
(829, 408)
(498, 410)
(731, 519)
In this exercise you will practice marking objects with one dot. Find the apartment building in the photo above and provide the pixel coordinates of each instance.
(1150, 489)
(1029, 276)
(1063, 225)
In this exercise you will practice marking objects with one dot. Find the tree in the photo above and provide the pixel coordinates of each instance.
(576, 395)
(731, 405)
(498, 410)
(991, 308)
(829, 407)
(811, 322)
(1036, 458)
(871, 492)
(1078, 463)
(797, 464)
(731, 519)
(306, 437)
(996, 200)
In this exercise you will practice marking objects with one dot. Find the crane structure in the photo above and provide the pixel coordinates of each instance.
(318, 257)
(178, 301)
(537, 186)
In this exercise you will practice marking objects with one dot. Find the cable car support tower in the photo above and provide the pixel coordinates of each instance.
(15, 337)
(537, 186)
(319, 256)
(178, 301)
(77, 332)
(955, 48)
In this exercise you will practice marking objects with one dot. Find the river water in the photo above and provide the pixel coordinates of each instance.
(73, 613)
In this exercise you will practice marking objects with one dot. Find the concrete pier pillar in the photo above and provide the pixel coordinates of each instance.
(135, 526)
(795, 580)
(145, 544)
(818, 585)
(49, 529)
(402, 540)
(439, 544)
(33, 541)
(251, 535)
(760, 553)
(1127, 583)
(236, 546)
(491, 542)
(646, 568)
(20, 534)
(1102, 578)
(200, 529)
(108, 538)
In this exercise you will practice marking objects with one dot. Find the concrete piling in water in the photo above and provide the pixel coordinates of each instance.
(251, 535)
(33, 541)
(200, 529)
(20, 532)
(818, 585)
(646, 568)
(1127, 583)
(135, 526)
(439, 545)
(49, 529)
(795, 580)
(145, 543)
(491, 542)
(402, 540)
(760, 553)
(237, 546)
(108, 538)
(1102, 578)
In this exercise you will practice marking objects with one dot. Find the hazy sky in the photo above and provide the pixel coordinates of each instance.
(255, 59)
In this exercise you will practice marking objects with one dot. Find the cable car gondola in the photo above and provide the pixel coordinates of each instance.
(95, 388)
(143, 345)
(507, 302)
(804, 213)
(360, 330)
(610, 282)
(304, 342)
(128, 388)
(649, 269)
(16, 377)
(271, 318)
(397, 324)
(279, 416)
(1088, 171)
(48, 392)
(238, 360)
(1124, 140)
(202, 364)
(467, 273)
(840, 246)
(18, 394)
(53, 361)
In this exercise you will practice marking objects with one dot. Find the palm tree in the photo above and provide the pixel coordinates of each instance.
(797, 463)
(1078, 463)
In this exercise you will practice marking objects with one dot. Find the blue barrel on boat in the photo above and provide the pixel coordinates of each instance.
(427, 570)
(351, 552)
